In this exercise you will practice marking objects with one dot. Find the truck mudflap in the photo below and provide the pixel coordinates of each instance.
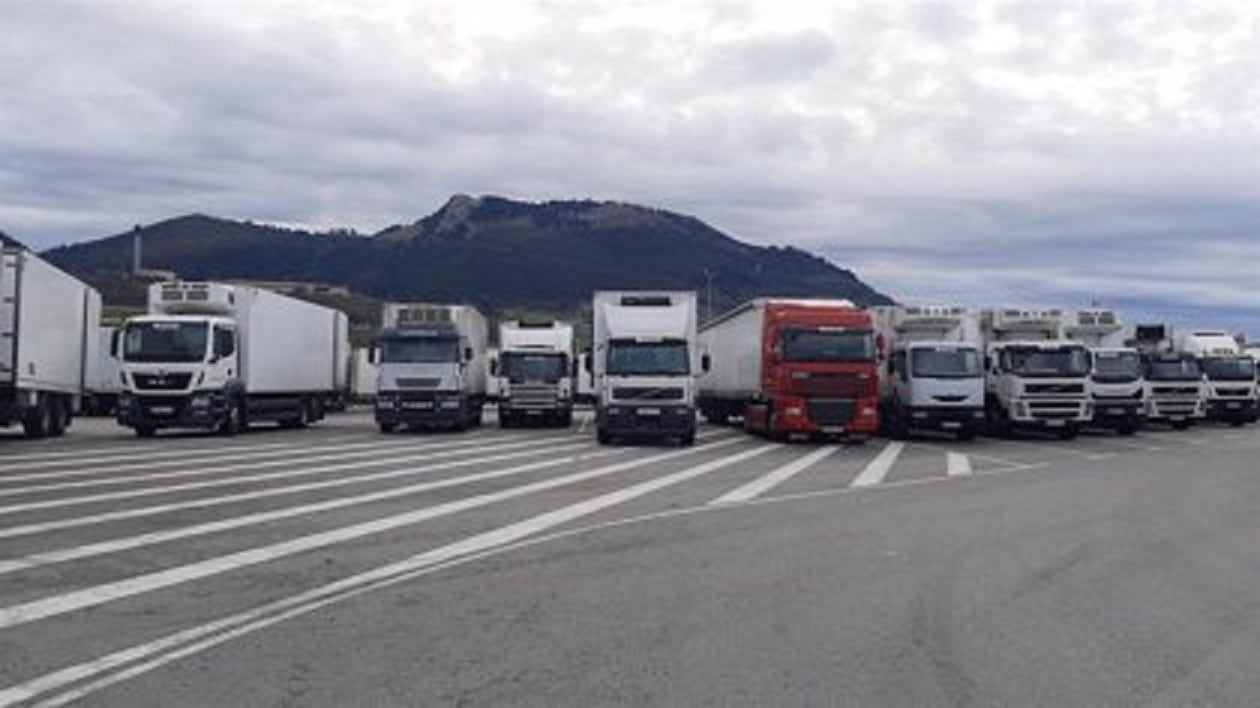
(426, 410)
(205, 410)
(646, 421)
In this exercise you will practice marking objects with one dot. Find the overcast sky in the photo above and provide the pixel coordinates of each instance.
(979, 152)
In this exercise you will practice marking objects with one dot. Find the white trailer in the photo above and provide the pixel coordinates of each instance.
(535, 371)
(217, 356)
(434, 365)
(1175, 391)
(645, 361)
(1035, 378)
(363, 374)
(932, 375)
(104, 379)
(48, 342)
(1230, 374)
(1119, 385)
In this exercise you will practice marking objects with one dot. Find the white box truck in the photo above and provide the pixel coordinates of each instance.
(1035, 378)
(1119, 383)
(433, 366)
(644, 359)
(104, 380)
(363, 373)
(1230, 374)
(1176, 394)
(535, 371)
(221, 357)
(48, 343)
(932, 377)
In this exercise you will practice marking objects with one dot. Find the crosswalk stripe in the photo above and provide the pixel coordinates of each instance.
(56, 605)
(957, 464)
(774, 478)
(879, 467)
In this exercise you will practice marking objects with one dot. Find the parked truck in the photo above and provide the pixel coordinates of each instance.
(792, 367)
(1230, 375)
(645, 360)
(363, 374)
(1035, 378)
(1119, 384)
(48, 343)
(535, 370)
(931, 375)
(222, 357)
(104, 380)
(1175, 390)
(433, 366)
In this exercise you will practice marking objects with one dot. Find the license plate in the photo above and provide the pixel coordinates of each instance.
(1055, 423)
(417, 404)
(648, 411)
(1234, 405)
(1177, 418)
(162, 410)
(836, 429)
(951, 425)
(1116, 411)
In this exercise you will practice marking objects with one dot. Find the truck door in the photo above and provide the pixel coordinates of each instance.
(225, 353)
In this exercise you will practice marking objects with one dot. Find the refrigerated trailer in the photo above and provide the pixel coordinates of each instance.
(791, 367)
(1119, 383)
(433, 366)
(931, 375)
(48, 343)
(1229, 373)
(1035, 378)
(645, 361)
(221, 357)
(104, 380)
(534, 369)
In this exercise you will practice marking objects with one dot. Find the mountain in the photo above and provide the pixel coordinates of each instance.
(490, 251)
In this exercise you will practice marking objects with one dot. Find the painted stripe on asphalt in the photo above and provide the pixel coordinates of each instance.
(775, 477)
(957, 464)
(199, 638)
(879, 467)
(245, 479)
(148, 539)
(56, 605)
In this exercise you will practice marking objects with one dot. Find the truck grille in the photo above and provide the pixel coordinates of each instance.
(1175, 391)
(161, 382)
(533, 395)
(418, 383)
(1174, 409)
(1233, 392)
(1058, 389)
(817, 383)
(647, 393)
(830, 411)
(1055, 410)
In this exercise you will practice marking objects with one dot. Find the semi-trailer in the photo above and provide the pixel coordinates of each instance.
(645, 360)
(792, 367)
(1119, 385)
(535, 371)
(48, 343)
(433, 366)
(1230, 374)
(931, 377)
(221, 356)
(1175, 390)
(1035, 378)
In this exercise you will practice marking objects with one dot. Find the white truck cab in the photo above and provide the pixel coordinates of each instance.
(1229, 375)
(932, 376)
(1176, 393)
(1035, 377)
(534, 370)
(1119, 387)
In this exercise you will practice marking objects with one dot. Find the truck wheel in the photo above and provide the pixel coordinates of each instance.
(1068, 433)
(603, 437)
(1127, 429)
(58, 417)
(145, 431)
(233, 420)
(566, 419)
(966, 433)
(505, 419)
(1181, 425)
(687, 440)
(387, 427)
(35, 421)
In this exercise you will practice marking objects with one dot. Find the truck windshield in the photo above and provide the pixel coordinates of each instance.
(819, 345)
(944, 363)
(420, 350)
(533, 366)
(1230, 369)
(630, 358)
(173, 342)
(1117, 367)
(1174, 370)
(1038, 362)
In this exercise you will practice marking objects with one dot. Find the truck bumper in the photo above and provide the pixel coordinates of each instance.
(529, 412)
(202, 410)
(947, 419)
(1117, 414)
(1051, 413)
(1232, 410)
(633, 421)
(422, 410)
(825, 416)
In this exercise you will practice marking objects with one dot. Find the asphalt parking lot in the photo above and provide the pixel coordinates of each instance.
(337, 566)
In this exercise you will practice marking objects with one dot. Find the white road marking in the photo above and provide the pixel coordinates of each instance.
(266, 477)
(148, 539)
(199, 638)
(775, 477)
(56, 605)
(206, 502)
(171, 454)
(957, 464)
(879, 467)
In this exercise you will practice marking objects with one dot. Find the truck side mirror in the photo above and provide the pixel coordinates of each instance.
(374, 355)
(988, 363)
(589, 365)
(573, 368)
(494, 367)
(706, 363)
(880, 345)
(115, 339)
(468, 354)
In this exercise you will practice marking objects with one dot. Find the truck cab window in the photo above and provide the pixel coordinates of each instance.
(224, 342)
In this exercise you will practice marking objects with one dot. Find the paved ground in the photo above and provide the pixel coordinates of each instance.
(338, 567)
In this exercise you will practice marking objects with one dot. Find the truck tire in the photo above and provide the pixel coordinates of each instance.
(233, 420)
(566, 419)
(145, 431)
(687, 440)
(1127, 428)
(1068, 432)
(35, 420)
(1181, 425)
(58, 416)
(506, 420)
(603, 437)
(387, 427)
(967, 433)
